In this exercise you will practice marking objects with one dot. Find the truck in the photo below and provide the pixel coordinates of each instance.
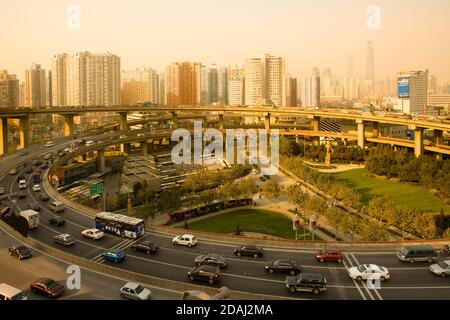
(32, 218)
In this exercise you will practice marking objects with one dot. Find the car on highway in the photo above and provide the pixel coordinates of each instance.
(123, 136)
(21, 194)
(208, 274)
(141, 134)
(441, 268)
(283, 266)
(4, 211)
(90, 143)
(28, 170)
(48, 287)
(250, 250)
(21, 252)
(44, 165)
(49, 144)
(34, 206)
(2, 191)
(47, 156)
(13, 171)
(329, 255)
(307, 282)
(43, 197)
(37, 162)
(148, 247)
(185, 240)
(64, 239)
(57, 221)
(24, 153)
(369, 271)
(10, 293)
(114, 255)
(36, 188)
(413, 254)
(93, 234)
(57, 206)
(22, 183)
(211, 260)
(135, 291)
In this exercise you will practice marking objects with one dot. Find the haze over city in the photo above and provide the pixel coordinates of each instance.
(306, 33)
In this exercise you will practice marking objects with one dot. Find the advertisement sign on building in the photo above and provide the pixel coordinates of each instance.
(403, 87)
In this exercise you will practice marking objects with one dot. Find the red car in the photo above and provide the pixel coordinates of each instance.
(329, 255)
(48, 287)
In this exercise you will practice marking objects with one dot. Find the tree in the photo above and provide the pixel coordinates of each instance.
(271, 189)
(246, 188)
(296, 195)
(380, 208)
(352, 225)
(373, 232)
(335, 217)
(317, 205)
(406, 218)
(425, 225)
(237, 231)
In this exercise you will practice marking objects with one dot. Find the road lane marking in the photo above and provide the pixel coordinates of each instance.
(365, 284)
(354, 281)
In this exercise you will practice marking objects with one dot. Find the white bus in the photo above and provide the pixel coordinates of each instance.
(124, 226)
(32, 218)
(10, 293)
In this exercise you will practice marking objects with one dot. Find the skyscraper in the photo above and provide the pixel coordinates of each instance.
(311, 89)
(291, 92)
(86, 79)
(370, 65)
(413, 92)
(9, 90)
(182, 83)
(236, 83)
(213, 84)
(139, 86)
(223, 87)
(265, 80)
(35, 87)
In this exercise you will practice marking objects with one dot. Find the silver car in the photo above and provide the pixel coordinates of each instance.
(441, 269)
(135, 291)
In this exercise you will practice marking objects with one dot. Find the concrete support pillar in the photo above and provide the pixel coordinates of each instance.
(24, 131)
(418, 142)
(297, 139)
(126, 148)
(438, 134)
(316, 128)
(68, 125)
(144, 147)
(174, 120)
(101, 161)
(439, 156)
(375, 129)
(3, 135)
(221, 122)
(361, 133)
(267, 122)
(123, 121)
(344, 140)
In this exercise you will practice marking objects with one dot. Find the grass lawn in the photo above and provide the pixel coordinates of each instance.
(401, 193)
(259, 221)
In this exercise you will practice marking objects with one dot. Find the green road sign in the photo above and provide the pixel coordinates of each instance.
(96, 189)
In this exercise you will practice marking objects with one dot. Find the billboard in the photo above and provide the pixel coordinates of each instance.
(403, 87)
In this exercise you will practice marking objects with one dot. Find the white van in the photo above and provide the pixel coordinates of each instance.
(22, 184)
(50, 144)
(57, 206)
(90, 143)
(32, 217)
(10, 293)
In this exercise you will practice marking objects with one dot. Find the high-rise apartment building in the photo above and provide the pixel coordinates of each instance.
(182, 82)
(35, 87)
(139, 86)
(432, 85)
(222, 97)
(291, 92)
(204, 85)
(370, 66)
(86, 79)
(351, 88)
(265, 80)
(9, 90)
(311, 89)
(161, 89)
(413, 92)
(236, 86)
(213, 84)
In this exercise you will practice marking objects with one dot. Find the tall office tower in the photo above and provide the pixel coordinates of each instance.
(326, 83)
(432, 85)
(213, 84)
(370, 63)
(35, 87)
(9, 90)
(413, 91)
(139, 86)
(265, 80)
(22, 94)
(311, 89)
(204, 85)
(86, 79)
(48, 95)
(222, 97)
(291, 92)
(161, 89)
(182, 83)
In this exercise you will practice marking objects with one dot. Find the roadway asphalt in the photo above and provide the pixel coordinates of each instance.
(408, 282)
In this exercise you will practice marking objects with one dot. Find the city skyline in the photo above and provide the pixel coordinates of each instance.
(301, 32)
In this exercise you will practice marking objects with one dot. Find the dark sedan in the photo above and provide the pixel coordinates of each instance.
(145, 246)
(283, 266)
(34, 206)
(250, 250)
(47, 287)
(211, 260)
(57, 221)
(43, 197)
(21, 252)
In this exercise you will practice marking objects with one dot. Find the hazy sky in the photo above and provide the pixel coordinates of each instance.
(414, 33)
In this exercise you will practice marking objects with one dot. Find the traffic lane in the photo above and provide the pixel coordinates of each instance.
(240, 283)
(94, 286)
(389, 261)
(419, 293)
(415, 278)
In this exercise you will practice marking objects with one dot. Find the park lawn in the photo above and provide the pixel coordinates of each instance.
(402, 194)
(259, 221)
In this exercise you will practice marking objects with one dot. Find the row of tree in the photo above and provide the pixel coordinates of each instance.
(425, 170)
